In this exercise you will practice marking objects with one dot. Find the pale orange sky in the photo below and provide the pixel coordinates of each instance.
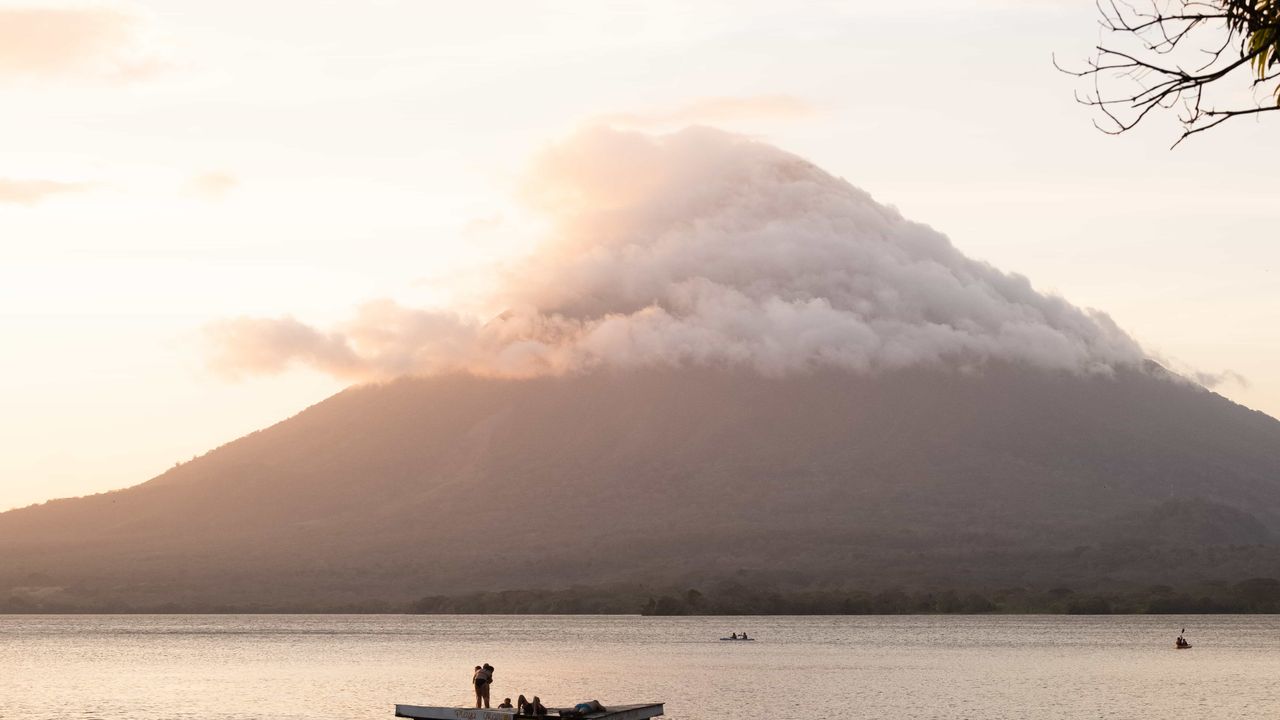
(164, 165)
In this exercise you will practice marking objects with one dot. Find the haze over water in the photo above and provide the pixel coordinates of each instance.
(357, 667)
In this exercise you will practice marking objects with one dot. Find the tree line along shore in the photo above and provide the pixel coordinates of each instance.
(1255, 595)
(1251, 596)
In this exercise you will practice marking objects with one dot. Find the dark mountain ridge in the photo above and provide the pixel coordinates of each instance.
(916, 478)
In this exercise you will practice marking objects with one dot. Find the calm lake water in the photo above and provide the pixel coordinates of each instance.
(210, 667)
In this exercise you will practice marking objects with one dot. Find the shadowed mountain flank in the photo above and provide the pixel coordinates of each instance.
(915, 478)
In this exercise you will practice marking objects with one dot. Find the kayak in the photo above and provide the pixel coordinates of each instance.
(1182, 647)
(738, 639)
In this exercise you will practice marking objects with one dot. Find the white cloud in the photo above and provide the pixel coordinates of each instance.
(89, 41)
(213, 185)
(33, 192)
(705, 248)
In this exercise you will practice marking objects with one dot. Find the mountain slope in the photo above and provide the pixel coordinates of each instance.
(916, 477)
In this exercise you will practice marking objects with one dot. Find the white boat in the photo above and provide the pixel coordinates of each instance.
(612, 712)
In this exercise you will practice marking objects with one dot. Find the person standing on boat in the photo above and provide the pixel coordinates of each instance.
(482, 679)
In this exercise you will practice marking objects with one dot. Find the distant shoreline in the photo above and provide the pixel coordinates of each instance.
(321, 613)
(1254, 596)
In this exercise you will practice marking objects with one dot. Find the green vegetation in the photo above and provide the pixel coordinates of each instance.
(1258, 22)
(1255, 595)
(574, 601)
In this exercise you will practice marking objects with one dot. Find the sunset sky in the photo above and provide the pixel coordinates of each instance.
(166, 166)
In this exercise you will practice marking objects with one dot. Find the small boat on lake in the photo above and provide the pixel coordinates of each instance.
(607, 712)
(738, 639)
(1181, 643)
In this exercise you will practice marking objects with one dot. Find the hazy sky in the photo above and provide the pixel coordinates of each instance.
(167, 165)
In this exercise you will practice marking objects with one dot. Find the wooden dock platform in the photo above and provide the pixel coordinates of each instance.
(612, 712)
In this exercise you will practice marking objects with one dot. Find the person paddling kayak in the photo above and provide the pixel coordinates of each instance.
(1181, 643)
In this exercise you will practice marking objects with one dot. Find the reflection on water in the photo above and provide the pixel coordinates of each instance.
(210, 667)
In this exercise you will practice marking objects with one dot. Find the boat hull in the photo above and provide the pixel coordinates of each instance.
(613, 712)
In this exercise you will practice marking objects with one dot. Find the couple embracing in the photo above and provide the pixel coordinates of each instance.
(481, 680)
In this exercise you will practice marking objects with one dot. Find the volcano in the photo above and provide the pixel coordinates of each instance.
(723, 364)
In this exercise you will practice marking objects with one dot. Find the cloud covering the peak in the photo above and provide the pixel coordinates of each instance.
(705, 248)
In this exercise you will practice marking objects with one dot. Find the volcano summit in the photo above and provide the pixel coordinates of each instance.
(704, 249)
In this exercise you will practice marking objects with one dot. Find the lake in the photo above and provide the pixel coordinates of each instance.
(325, 666)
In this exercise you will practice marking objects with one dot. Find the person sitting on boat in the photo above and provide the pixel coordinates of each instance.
(506, 704)
(744, 636)
(734, 636)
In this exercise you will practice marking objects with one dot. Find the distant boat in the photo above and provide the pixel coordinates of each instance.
(1181, 643)
(738, 639)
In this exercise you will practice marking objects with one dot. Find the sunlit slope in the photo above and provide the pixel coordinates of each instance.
(1010, 475)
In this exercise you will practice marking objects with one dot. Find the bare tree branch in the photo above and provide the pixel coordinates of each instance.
(1161, 54)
